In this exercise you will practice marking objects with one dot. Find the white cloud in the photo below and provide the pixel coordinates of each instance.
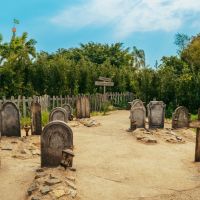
(128, 16)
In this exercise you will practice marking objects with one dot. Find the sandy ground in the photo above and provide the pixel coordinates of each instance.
(112, 164)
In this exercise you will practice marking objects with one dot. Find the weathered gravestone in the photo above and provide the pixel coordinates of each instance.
(156, 114)
(56, 136)
(69, 110)
(137, 115)
(83, 107)
(10, 120)
(36, 118)
(58, 113)
(181, 118)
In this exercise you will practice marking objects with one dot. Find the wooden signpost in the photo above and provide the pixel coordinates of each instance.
(196, 124)
(105, 82)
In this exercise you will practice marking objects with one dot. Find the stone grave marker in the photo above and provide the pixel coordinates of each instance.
(36, 118)
(137, 115)
(56, 136)
(10, 120)
(58, 113)
(83, 107)
(69, 110)
(181, 118)
(156, 114)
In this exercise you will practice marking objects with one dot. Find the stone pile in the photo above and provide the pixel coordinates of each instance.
(53, 184)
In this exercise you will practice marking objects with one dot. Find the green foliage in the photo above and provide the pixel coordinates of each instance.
(106, 107)
(45, 118)
(176, 81)
(25, 121)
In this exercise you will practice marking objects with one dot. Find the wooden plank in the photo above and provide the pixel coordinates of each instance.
(101, 83)
(101, 78)
(197, 147)
(194, 124)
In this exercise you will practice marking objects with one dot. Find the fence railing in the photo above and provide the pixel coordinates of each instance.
(47, 103)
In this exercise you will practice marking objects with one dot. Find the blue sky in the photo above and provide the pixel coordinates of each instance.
(147, 24)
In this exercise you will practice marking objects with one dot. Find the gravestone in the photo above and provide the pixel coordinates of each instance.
(156, 114)
(58, 113)
(180, 118)
(69, 110)
(83, 107)
(56, 136)
(36, 118)
(10, 120)
(137, 115)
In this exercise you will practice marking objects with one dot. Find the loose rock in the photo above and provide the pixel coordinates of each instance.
(52, 181)
(70, 184)
(58, 192)
(45, 190)
(32, 188)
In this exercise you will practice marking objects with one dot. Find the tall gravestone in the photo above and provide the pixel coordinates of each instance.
(83, 107)
(180, 118)
(36, 118)
(10, 120)
(56, 136)
(58, 113)
(156, 114)
(69, 110)
(137, 115)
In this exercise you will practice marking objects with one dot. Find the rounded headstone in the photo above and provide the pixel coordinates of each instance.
(56, 136)
(10, 120)
(180, 118)
(69, 110)
(58, 113)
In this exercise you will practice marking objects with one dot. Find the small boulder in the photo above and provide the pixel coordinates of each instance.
(51, 182)
(45, 190)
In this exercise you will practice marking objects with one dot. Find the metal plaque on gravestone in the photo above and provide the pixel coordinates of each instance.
(36, 118)
(58, 113)
(156, 114)
(56, 136)
(10, 120)
(137, 115)
(83, 107)
(69, 110)
(181, 118)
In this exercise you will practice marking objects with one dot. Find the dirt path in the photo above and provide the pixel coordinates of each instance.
(15, 177)
(17, 170)
(112, 164)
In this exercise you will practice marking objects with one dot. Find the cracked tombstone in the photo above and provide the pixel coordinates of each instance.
(180, 118)
(83, 107)
(58, 113)
(10, 120)
(56, 136)
(36, 118)
(156, 114)
(137, 115)
(69, 110)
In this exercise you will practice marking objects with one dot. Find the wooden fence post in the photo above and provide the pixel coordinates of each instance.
(197, 147)
(24, 106)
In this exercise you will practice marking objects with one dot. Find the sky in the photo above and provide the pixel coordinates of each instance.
(150, 25)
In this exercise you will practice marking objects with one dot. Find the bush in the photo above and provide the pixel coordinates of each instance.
(45, 118)
(25, 121)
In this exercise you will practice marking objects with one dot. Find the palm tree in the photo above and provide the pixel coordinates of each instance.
(138, 58)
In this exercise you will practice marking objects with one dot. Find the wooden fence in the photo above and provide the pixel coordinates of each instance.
(97, 101)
